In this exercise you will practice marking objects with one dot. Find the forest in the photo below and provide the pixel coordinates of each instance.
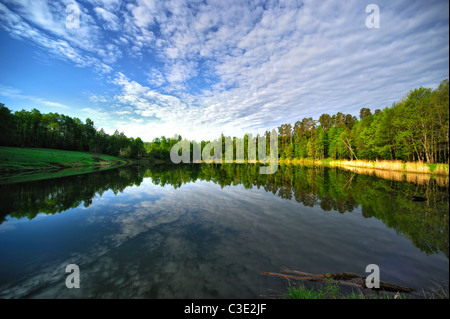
(52, 130)
(416, 128)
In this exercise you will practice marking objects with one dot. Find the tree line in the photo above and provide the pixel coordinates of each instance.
(52, 130)
(414, 129)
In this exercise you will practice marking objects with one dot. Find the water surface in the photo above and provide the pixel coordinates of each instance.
(209, 231)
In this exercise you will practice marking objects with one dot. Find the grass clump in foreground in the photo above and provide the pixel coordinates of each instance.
(331, 290)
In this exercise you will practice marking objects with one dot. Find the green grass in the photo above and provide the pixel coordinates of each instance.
(20, 164)
(331, 290)
(19, 159)
(301, 292)
(432, 167)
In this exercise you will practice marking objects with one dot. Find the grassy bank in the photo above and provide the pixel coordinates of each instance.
(397, 166)
(21, 164)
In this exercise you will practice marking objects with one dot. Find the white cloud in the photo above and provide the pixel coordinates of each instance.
(155, 77)
(26, 19)
(97, 98)
(110, 20)
(17, 94)
(110, 5)
(181, 71)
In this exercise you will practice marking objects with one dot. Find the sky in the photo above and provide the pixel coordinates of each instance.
(204, 68)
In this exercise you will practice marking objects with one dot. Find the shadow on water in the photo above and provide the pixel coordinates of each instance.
(418, 211)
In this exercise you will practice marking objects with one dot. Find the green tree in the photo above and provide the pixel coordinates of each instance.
(7, 126)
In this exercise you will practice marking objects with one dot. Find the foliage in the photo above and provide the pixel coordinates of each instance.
(58, 131)
(160, 148)
(414, 129)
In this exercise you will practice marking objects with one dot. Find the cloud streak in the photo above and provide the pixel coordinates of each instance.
(17, 94)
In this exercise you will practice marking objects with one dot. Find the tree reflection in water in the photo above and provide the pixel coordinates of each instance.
(425, 223)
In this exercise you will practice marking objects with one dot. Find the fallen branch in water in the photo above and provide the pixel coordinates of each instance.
(343, 278)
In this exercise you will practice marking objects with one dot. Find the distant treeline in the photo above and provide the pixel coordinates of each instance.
(414, 129)
(53, 130)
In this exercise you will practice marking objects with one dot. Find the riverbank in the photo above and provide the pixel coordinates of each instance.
(396, 166)
(26, 164)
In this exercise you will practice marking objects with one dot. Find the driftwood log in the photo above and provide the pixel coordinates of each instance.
(343, 278)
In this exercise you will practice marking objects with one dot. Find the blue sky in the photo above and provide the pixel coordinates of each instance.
(202, 68)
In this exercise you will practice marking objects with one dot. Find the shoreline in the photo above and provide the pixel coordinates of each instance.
(30, 164)
(393, 166)
(22, 164)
